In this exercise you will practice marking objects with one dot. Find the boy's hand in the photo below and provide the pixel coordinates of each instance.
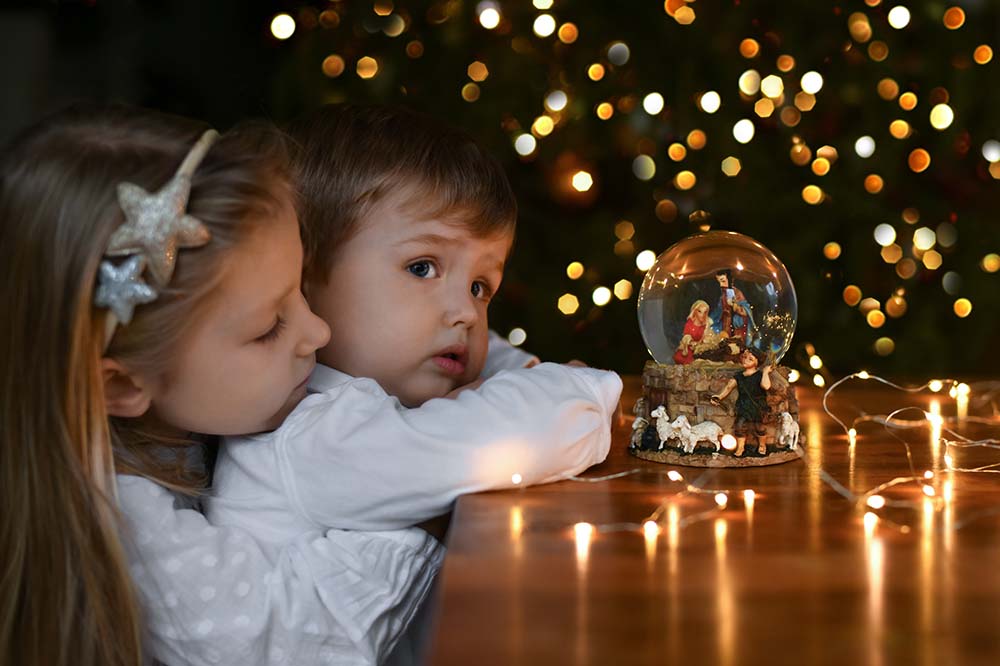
(471, 386)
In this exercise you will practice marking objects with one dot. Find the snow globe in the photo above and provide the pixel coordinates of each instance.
(717, 312)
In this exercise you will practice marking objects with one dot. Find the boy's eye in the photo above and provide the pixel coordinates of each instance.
(273, 333)
(423, 269)
(482, 290)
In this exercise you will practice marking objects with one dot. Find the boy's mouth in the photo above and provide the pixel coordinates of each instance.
(453, 359)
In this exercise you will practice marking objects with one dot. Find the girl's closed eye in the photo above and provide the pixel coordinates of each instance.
(425, 268)
(272, 333)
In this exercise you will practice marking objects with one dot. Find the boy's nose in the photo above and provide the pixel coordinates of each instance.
(460, 308)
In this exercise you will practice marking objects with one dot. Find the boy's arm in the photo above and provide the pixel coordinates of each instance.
(359, 460)
(502, 355)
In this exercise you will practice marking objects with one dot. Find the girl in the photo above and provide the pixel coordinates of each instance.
(207, 354)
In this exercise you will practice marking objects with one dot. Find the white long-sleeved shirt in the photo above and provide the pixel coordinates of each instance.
(242, 587)
(351, 456)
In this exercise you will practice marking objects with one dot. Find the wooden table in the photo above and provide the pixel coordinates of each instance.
(799, 576)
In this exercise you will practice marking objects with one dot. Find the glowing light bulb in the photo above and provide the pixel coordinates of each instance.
(935, 385)
(815, 362)
(928, 475)
(650, 529)
(811, 82)
(863, 375)
(929, 490)
(582, 181)
(544, 25)
(515, 479)
(282, 26)
(876, 501)
(721, 499)
(899, 17)
(819, 381)
(674, 475)
(743, 130)
(865, 147)
(653, 103)
(728, 442)
(525, 144)
(489, 15)
(645, 260)
(710, 102)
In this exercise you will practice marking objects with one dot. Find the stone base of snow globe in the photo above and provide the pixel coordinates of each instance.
(677, 422)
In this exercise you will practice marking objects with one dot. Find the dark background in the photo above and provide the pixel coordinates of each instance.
(218, 60)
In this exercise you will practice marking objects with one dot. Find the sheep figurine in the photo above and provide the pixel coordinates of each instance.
(788, 431)
(689, 435)
(664, 429)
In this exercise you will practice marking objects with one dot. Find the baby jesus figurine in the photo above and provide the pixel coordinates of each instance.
(751, 386)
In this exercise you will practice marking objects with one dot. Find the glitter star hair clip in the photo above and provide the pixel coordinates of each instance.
(156, 226)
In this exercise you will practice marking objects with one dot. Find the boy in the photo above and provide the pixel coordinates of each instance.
(406, 227)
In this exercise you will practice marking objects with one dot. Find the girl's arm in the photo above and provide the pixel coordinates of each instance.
(354, 458)
(218, 596)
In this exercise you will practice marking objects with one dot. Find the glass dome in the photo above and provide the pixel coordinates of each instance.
(712, 295)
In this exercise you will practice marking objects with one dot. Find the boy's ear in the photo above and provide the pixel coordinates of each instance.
(124, 394)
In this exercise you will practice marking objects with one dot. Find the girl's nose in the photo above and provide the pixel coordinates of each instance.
(315, 332)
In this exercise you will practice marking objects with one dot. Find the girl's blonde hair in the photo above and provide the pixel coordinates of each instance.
(65, 593)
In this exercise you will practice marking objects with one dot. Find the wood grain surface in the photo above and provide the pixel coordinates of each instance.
(798, 576)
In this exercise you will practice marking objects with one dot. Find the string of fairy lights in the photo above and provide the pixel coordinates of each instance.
(770, 97)
(936, 489)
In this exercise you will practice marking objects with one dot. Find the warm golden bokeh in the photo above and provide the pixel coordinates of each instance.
(666, 210)
(831, 250)
(878, 51)
(800, 154)
(685, 180)
(899, 129)
(812, 194)
(333, 66)
(749, 48)
(907, 101)
(677, 152)
(470, 92)
(954, 18)
(367, 67)
(568, 33)
(888, 89)
(595, 72)
(696, 139)
(821, 166)
(919, 160)
(875, 318)
(605, 111)
(852, 295)
(983, 54)
(786, 63)
(477, 71)
(873, 183)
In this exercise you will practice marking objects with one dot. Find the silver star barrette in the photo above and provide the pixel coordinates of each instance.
(156, 226)
(121, 287)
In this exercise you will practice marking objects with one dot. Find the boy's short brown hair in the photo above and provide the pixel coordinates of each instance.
(350, 158)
